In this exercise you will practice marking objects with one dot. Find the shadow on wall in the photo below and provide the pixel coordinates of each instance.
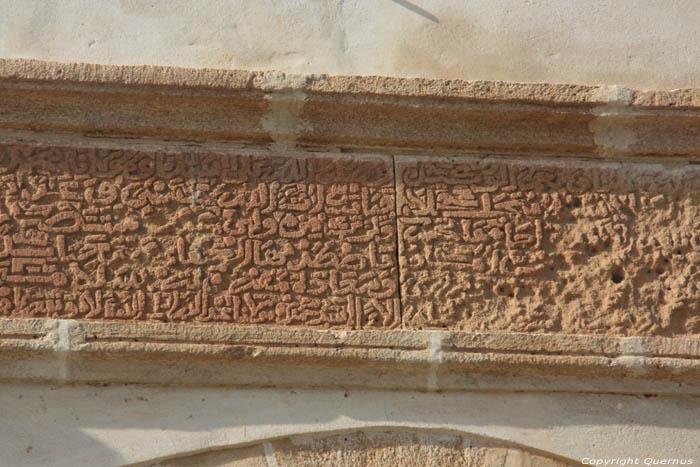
(416, 9)
(117, 425)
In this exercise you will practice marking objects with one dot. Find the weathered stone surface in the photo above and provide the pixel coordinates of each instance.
(41, 72)
(544, 246)
(349, 113)
(112, 352)
(253, 238)
(373, 448)
(250, 237)
(405, 449)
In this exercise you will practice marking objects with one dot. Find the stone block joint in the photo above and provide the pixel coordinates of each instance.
(472, 243)
(117, 230)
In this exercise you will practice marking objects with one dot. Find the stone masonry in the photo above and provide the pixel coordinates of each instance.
(244, 237)
(221, 267)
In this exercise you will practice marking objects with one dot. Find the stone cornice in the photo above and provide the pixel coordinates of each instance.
(348, 113)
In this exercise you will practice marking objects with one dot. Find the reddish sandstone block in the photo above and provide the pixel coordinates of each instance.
(549, 246)
(248, 238)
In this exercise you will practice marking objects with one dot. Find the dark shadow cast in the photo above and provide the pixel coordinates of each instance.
(416, 9)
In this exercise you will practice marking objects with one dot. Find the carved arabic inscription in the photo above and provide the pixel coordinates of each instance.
(485, 244)
(206, 237)
(537, 246)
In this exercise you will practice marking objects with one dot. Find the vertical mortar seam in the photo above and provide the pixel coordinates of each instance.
(62, 347)
(399, 278)
(270, 455)
(435, 359)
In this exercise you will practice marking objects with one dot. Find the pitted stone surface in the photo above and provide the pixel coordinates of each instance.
(247, 238)
(252, 237)
(380, 448)
(544, 246)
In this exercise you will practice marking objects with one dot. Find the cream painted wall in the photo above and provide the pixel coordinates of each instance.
(116, 425)
(637, 43)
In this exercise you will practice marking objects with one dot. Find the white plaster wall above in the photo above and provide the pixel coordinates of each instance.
(636, 43)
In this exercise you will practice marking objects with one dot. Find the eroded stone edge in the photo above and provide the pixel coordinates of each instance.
(69, 351)
(208, 78)
(353, 113)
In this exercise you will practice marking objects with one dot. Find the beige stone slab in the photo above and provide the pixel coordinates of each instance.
(39, 71)
(30, 348)
(490, 244)
(197, 236)
(20, 70)
(107, 352)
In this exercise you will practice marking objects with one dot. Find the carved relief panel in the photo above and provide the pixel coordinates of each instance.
(545, 246)
(485, 244)
(249, 238)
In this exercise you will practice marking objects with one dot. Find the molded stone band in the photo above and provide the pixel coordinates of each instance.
(348, 113)
(68, 351)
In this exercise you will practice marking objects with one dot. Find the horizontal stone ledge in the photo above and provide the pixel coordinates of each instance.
(147, 76)
(68, 351)
(348, 113)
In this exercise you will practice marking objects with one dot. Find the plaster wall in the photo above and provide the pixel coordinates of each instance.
(118, 425)
(636, 43)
